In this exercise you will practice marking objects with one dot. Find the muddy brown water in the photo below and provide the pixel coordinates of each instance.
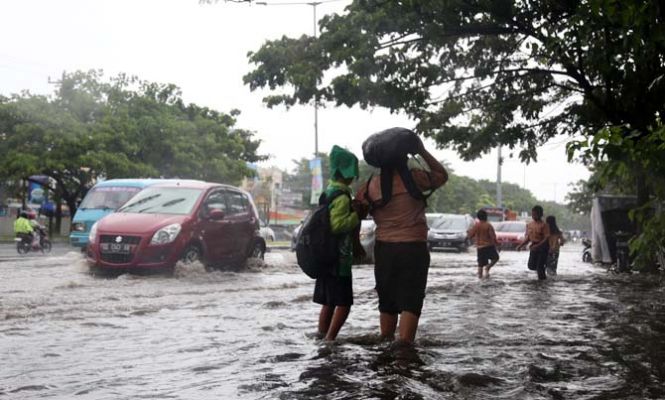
(250, 335)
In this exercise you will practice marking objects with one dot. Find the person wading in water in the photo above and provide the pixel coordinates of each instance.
(396, 202)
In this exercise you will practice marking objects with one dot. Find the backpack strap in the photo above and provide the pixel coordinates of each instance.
(372, 203)
(323, 199)
(387, 186)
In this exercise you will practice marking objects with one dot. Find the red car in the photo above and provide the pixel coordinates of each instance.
(179, 220)
(509, 234)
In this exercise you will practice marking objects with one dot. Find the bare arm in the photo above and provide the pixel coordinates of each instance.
(437, 170)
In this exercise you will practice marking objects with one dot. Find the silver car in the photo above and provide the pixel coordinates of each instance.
(367, 239)
(449, 232)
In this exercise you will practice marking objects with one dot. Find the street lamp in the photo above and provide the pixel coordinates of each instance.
(316, 99)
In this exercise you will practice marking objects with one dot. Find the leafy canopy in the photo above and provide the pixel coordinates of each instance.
(481, 73)
(118, 128)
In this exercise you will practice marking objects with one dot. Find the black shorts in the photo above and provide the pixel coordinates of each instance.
(400, 270)
(333, 291)
(538, 258)
(487, 254)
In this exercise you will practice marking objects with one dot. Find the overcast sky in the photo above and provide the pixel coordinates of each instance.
(203, 49)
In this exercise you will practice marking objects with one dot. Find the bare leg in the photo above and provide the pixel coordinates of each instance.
(338, 319)
(325, 316)
(408, 325)
(388, 324)
(486, 271)
(480, 272)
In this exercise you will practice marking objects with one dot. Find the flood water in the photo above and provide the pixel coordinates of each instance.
(587, 334)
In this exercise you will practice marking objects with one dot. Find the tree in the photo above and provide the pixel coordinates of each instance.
(477, 74)
(605, 178)
(91, 128)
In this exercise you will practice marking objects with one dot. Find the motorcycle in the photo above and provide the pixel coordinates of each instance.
(25, 245)
(586, 251)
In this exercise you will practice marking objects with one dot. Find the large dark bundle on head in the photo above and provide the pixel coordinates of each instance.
(391, 147)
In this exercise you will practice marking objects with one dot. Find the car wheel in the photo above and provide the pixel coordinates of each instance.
(191, 254)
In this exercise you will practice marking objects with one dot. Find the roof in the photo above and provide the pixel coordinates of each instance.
(192, 184)
(140, 183)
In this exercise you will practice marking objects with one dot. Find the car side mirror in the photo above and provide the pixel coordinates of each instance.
(216, 215)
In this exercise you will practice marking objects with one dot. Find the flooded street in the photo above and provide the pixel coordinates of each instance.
(587, 334)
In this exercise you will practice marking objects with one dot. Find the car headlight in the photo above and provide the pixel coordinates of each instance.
(92, 236)
(166, 235)
(460, 235)
(78, 227)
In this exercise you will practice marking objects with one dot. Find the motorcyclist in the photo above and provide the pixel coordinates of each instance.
(23, 228)
(38, 230)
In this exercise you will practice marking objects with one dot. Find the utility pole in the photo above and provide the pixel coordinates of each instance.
(316, 96)
(499, 200)
(314, 20)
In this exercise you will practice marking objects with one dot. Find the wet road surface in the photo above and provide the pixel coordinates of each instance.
(250, 335)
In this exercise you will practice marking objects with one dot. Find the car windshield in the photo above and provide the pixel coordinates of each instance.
(455, 224)
(432, 219)
(515, 228)
(163, 200)
(108, 198)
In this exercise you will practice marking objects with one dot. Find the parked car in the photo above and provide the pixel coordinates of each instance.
(449, 232)
(367, 239)
(432, 217)
(104, 198)
(294, 235)
(509, 234)
(267, 233)
(183, 220)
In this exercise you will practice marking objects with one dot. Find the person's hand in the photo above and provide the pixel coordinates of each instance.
(359, 208)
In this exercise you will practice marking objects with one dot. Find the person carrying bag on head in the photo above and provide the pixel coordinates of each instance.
(397, 203)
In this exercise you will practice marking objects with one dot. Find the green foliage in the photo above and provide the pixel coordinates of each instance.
(605, 179)
(648, 247)
(124, 127)
(632, 152)
(476, 74)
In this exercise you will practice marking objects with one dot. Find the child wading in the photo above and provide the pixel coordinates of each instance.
(537, 232)
(486, 244)
(556, 240)
(333, 290)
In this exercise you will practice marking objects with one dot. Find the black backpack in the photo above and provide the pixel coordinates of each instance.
(316, 246)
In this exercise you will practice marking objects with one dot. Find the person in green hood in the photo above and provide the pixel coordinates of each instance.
(334, 291)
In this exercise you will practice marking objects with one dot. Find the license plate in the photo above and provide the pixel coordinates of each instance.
(445, 244)
(117, 248)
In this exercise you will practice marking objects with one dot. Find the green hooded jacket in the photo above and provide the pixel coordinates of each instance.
(343, 220)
